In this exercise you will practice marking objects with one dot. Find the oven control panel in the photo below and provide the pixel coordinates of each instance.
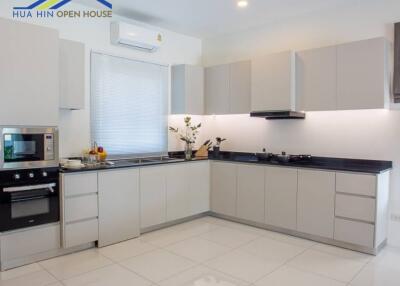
(30, 175)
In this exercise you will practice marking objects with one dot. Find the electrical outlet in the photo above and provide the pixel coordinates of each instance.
(395, 217)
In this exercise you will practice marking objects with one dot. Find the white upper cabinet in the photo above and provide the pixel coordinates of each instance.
(29, 57)
(316, 79)
(273, 82)
(187, 90)
(362, 75)
(240, 87)
(217, 89)
(228, 88)
(72, 75)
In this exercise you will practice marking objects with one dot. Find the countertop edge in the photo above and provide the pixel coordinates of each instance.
(366, 169)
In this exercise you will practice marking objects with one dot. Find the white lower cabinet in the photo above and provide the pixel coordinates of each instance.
(250, 193)
(356, 184)
(27, 242)
(198, 176)
(224, 188)
(118, 205)
(354, 232)
(79, 209)
(354, 207)
(188, 189)
(177, 192)
(173, 191)
(281, 197)
(76, 184)
(316, 202)
(361, 209)
(81, 232)
(153, 196)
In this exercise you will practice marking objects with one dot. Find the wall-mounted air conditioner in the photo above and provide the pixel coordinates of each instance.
(135, 37)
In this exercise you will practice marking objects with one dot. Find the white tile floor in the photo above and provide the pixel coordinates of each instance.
(212, 252)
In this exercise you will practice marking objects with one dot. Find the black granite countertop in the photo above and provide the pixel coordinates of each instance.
(128, 164)
(323, 163)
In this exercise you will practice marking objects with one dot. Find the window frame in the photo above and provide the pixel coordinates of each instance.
(168, 108)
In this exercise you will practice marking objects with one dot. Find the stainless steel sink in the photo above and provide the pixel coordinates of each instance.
(147, 160)
(161, 159)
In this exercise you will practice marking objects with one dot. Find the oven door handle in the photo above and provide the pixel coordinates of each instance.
(30, 188)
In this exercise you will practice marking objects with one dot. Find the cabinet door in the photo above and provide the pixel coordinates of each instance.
(81, 232)
(81, 208)
(118, 206)
(194, 90)
(362, 74)
(29, 69)
(316, 79)
(178, 89)
(356, 184)
(23, 243)
(217, 89)
(187, 90)
(177, 192)
(72, 75)
(316, 202)
(281, 197)
(223, 188)
(240, 91)
(152, 196)
(198, 176)
(272, 82)
(77, 184)
(354, 232)
(250, 193)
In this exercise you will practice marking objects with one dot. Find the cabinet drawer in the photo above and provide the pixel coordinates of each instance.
(354, 232)
(81, 232)
(359, 184)
(355, 207)
(29, 242)
(80, 184)
(80, 208)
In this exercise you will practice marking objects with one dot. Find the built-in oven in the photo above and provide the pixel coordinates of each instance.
(29, 197)
(33, 147)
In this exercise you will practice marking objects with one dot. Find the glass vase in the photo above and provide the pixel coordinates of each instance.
(188, 151)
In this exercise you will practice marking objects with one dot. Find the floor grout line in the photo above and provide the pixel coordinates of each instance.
(283, 265)
(358, 272)
(130, 270)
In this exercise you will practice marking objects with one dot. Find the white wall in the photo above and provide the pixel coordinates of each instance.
(369, 134)
(74, 125)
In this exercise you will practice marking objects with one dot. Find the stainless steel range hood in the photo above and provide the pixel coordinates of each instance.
(282, 114)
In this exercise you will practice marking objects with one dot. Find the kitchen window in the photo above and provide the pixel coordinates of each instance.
(129, 106)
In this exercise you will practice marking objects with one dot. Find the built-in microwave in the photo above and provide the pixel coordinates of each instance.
(31, 147)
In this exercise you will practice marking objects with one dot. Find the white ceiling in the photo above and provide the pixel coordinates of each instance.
(210, 18)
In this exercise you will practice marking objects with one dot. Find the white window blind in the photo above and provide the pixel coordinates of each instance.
(129, 106)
